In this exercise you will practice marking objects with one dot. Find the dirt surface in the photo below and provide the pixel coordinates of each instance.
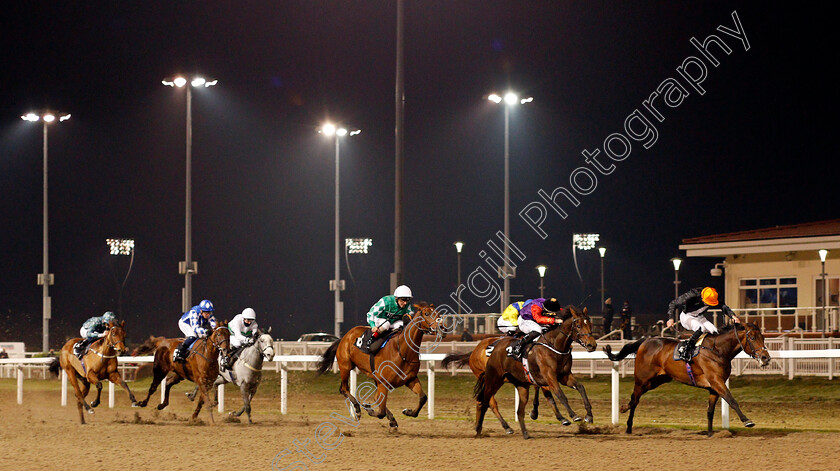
(40, 434)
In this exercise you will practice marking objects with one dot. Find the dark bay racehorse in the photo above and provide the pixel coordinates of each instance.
(655, 365)
(395, 365)
(549, 363)
(201, 367)
(98, 364)
(246, 372)
(477, 359)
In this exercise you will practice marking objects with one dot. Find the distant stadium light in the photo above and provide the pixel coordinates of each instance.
(358, 245)
(120, 246)
(585, 241)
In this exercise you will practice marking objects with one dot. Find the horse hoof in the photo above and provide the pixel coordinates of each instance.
(509, 431)
(90, 411)
(577, 418)
(534, 415)
(135, 404)
(565, 422)
(161, 407)
(589, 419)
(749, 423)
(394, 430)
(94, 403)
(525, 436)
(409, 413)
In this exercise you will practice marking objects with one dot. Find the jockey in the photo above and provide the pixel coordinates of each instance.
(195, 323)
(387, 313)
(691, 306)
(92, 330)
(508, 321)
(534, 315)
(242, 328)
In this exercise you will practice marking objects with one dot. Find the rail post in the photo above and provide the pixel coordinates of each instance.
(20, 384)
(110, 395)
(284, 389)
(63, 387)
(430, 371)
(221, 398)
(614, 392)
(724, 410)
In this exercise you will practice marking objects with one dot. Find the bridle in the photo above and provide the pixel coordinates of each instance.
(749, 339)
(107, 342)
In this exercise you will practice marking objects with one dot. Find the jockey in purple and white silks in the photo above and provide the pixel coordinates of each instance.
(197, 322)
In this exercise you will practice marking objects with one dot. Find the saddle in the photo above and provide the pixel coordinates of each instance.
(694, 350)
(377, 344)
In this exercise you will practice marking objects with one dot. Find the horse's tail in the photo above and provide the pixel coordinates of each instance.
(478, 389)
(459, 359)
(328, 357)
(54, 366)
(625, 350)
(149, 346)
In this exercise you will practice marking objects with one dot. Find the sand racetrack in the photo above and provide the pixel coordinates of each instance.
(40, 434)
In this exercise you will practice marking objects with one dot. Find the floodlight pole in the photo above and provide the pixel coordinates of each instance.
(46, 279)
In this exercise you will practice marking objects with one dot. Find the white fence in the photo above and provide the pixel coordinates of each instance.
(780, 357)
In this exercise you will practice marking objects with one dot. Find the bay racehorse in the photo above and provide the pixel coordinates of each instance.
(97, 364)
(201, 366)
(655, 365)
(395, 364)
(549, 364)
(246, 372)
(477, 359)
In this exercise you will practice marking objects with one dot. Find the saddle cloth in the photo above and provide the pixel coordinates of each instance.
(377, 344)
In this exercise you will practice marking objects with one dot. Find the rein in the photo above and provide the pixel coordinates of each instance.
(106, 343)
(754, 353)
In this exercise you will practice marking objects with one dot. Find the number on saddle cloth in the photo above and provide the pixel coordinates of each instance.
(377, 344)
(489, 350)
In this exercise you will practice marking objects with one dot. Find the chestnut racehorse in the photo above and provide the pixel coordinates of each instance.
(201, 367)
(395, 365)
(98, 363)
(549, 361)
(655, 365)
(477, 359)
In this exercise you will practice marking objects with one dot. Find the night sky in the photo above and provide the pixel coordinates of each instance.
(755, 149)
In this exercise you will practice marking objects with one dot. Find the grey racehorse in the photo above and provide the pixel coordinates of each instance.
(246, 372)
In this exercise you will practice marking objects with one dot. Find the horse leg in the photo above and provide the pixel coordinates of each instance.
(80, 396)
(494, 406)
(170, 381)
(191, 395)
(570, 381)
(720, 388)
(392, 422)
(245, 389)
(415, 386)
(157, 376)
(485, 389)
(344, 389)
(381, 393)
(535, 411)
(710, 413)
(116, 378)
(95, 402)
(565, 401)
(523, 403)
(638, 390)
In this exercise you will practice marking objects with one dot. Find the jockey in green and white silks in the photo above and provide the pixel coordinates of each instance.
(387, 313)
(93, 329)
(242, 329)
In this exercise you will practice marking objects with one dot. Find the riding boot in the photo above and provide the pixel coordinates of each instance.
(370, 341)
(517, 349)
(181, 353)
(688, 346)
(79, 349)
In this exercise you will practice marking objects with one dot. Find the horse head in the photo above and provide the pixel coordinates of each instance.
(265, 344)
(220, 338)
(116, 336)
(426, 318)
(582, 327)
(752, 341)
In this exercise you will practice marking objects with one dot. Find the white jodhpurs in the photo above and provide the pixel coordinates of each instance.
(384, 325)
(693, 323)
(505, 326)
(528, 326)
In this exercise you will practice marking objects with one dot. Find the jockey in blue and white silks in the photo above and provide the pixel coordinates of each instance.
(93, 329)
(197, 322)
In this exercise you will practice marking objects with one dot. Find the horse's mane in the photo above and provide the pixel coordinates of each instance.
(421, 304)
(566, 313)
(730, 328)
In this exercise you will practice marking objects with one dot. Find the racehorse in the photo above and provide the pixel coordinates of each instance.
(395, 365)
(97, 364)
(477, 359)
(549, 363)
(201, 366)
(246, 372)
(655, 365)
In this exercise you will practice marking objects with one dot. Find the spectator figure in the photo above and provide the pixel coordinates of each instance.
(466, 336)
(3, 353)
(608, 316)
(626, 321)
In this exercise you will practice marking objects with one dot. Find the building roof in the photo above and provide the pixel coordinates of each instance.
(797, 237)
(808, 229)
